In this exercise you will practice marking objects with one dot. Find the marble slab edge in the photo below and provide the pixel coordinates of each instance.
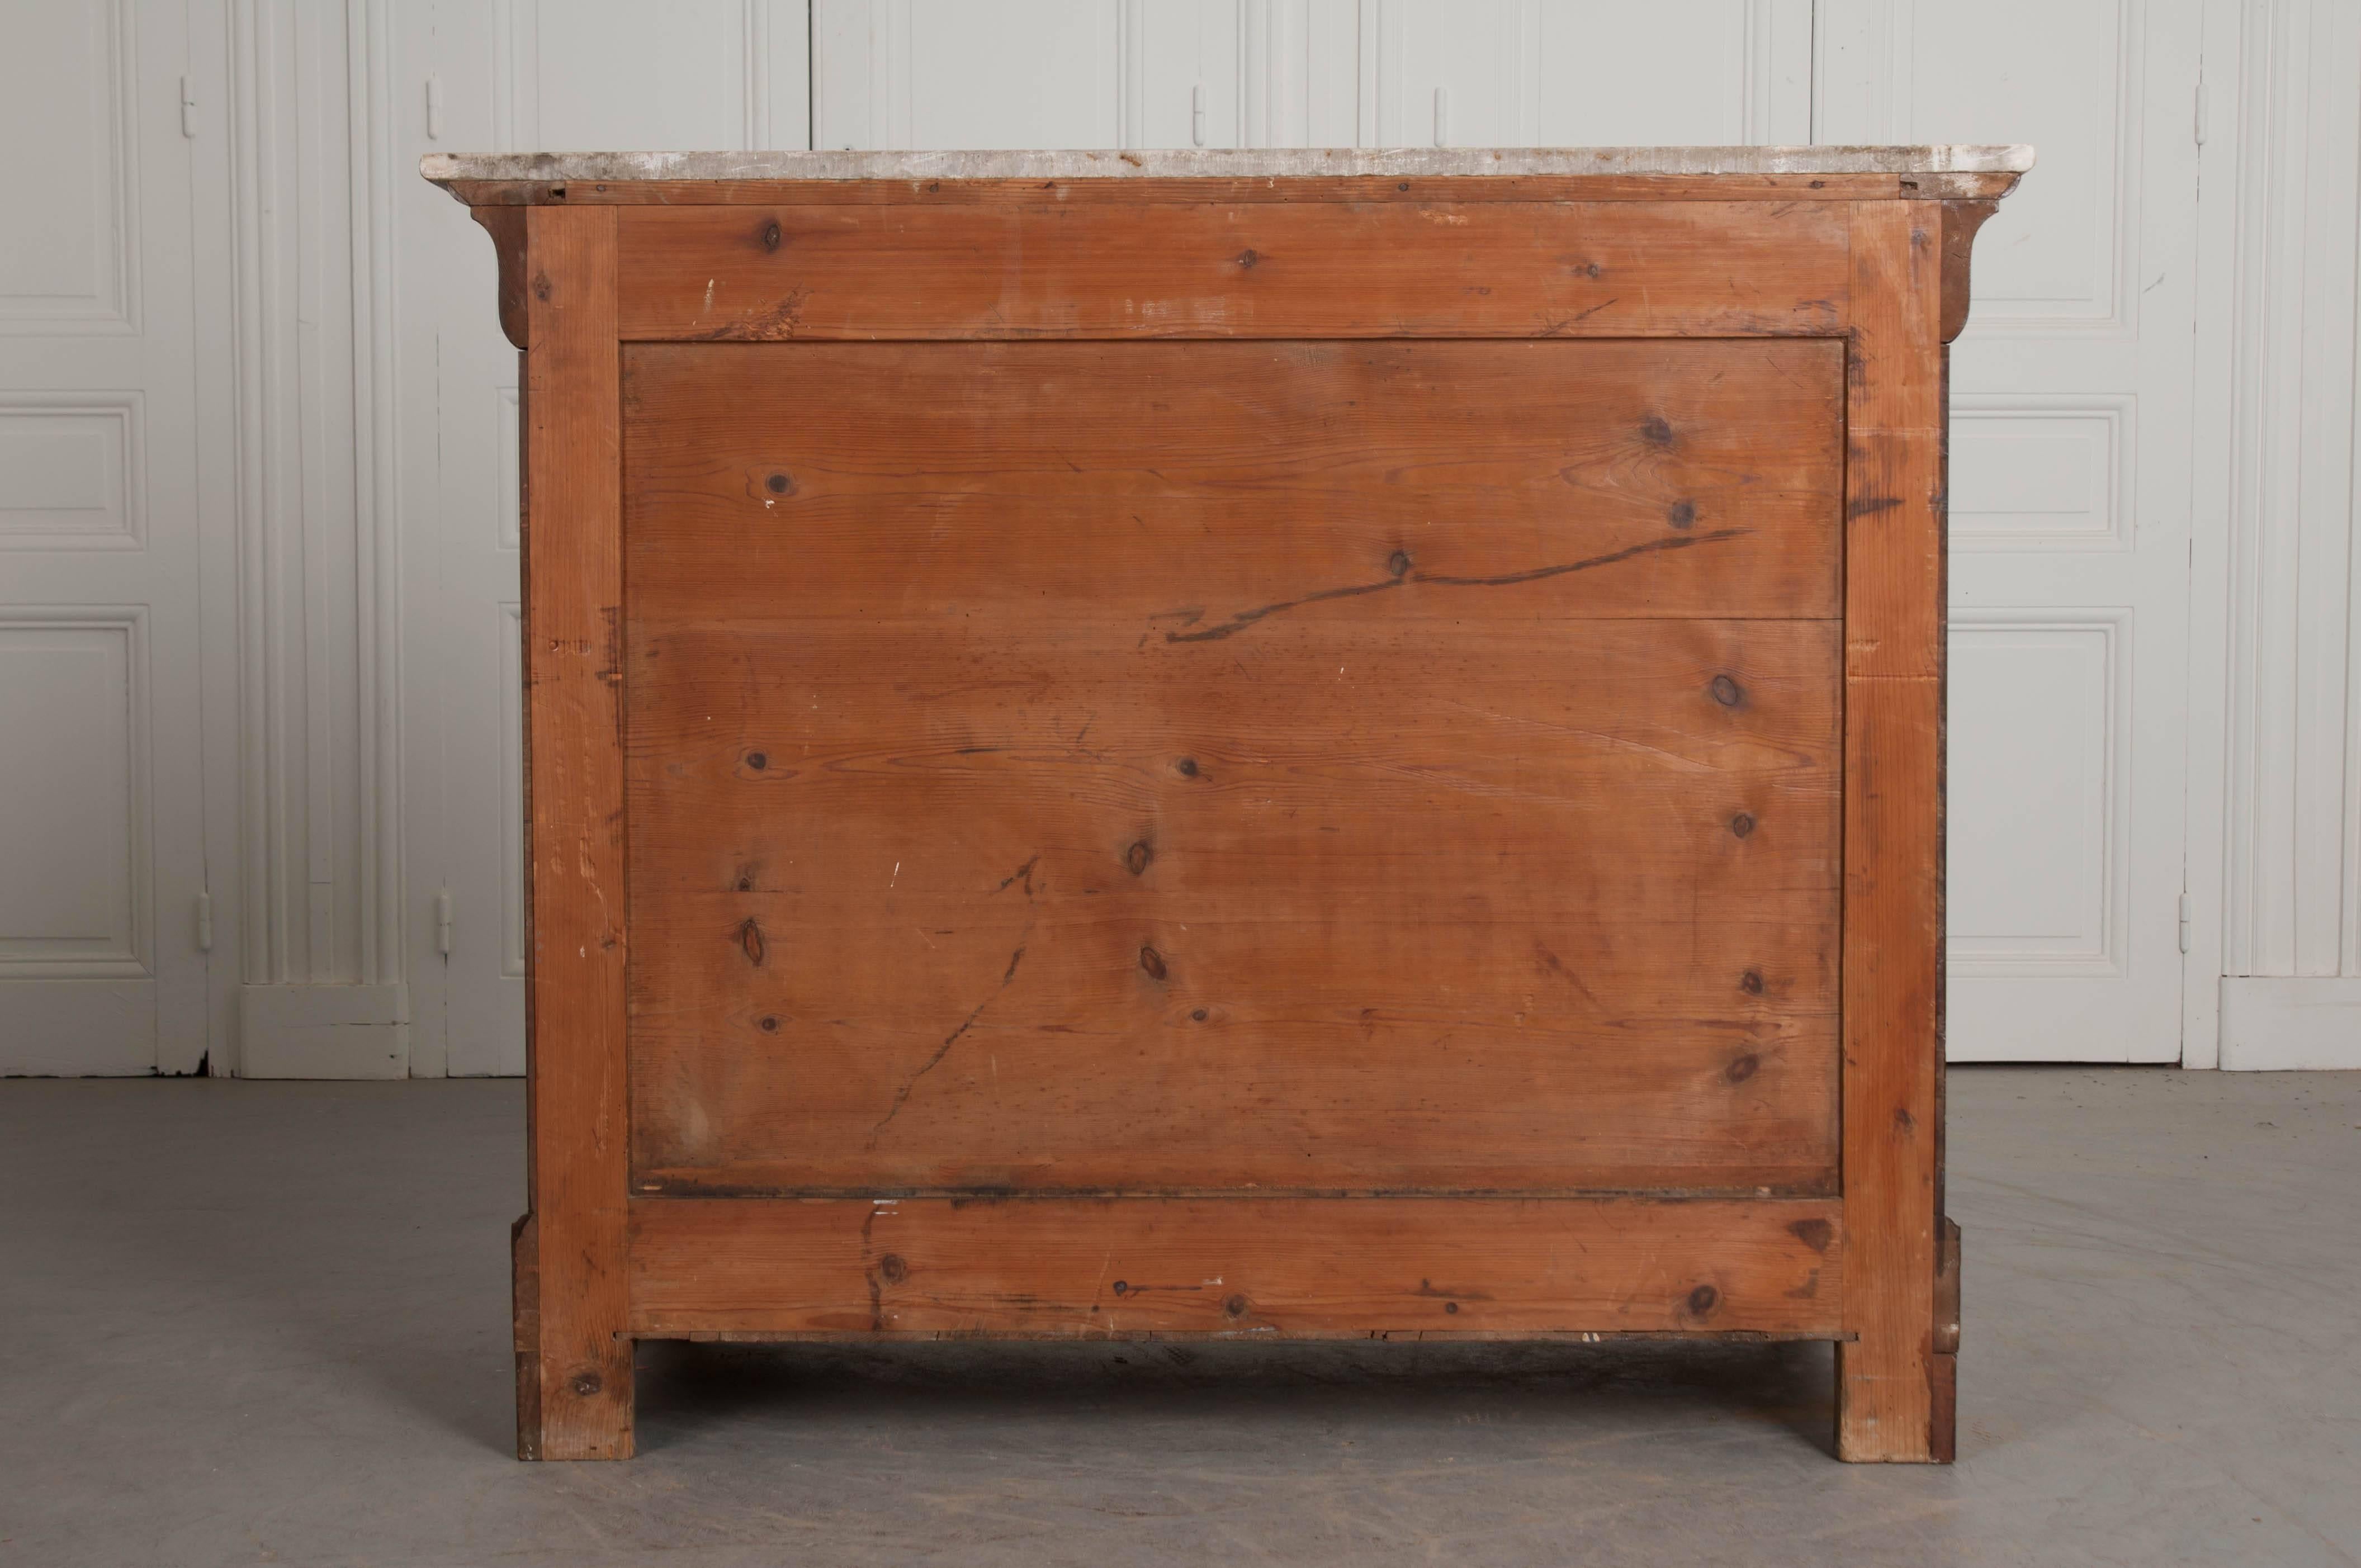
(1239, 163)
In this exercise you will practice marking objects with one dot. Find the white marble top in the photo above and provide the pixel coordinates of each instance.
(1234, 163)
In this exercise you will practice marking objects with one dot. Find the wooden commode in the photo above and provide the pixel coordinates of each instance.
(1257, 744)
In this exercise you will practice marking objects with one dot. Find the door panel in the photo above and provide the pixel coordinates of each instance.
(510, 75)
(101, 812)
(2071, 441)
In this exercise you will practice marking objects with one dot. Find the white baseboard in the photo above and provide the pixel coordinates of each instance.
(2277, 1023)
(323, 1031)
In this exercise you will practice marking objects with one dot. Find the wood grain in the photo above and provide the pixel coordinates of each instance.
(1248, 270)
(992, 829)
(507, 225)
(573, 562)
(1248, 1267)
(1206, 492)
(1414, 808)
(1890, 1406)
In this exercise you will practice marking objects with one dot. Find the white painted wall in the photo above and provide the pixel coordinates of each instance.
(2278, 378)
(2144, 378)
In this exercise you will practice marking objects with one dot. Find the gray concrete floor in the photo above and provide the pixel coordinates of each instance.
(265, 1323)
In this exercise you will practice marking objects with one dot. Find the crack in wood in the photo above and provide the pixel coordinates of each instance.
(1248, 617)
(1023, 875)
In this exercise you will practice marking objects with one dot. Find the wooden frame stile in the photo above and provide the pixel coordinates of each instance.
(702, 1238)
(573, 1355)
(1895, 1371)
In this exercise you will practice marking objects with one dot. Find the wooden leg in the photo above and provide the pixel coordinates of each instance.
(574, 1401)
(1886, 1400)
(1897, 1393)
(524, 1294)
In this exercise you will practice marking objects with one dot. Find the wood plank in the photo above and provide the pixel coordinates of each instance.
(1892, 1389)
(1255, 1267)
(573, 564)
(1470, 917)
(1251, 270)
(1209, 490)
(1138, 191)
(1096, 841)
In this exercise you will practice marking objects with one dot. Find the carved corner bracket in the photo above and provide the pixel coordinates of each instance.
(1960, 222)
(506, 225)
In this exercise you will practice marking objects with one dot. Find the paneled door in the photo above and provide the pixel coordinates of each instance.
(2070, 447)
(100, 811)
(2070, 433)
(510, 75)
(1177, 73)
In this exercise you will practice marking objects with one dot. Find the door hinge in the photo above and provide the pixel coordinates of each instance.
(2201, 113)
(1197, 115)
(434, 108)
(2184, 922)
(204, 922)
(443, 922)
(188, 108)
